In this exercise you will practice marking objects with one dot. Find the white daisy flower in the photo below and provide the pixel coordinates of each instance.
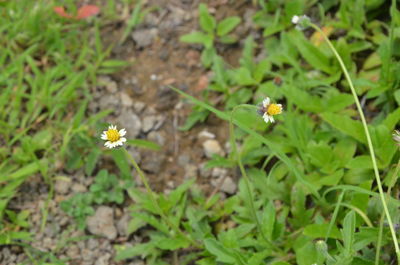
(268, 110)
(113, 137)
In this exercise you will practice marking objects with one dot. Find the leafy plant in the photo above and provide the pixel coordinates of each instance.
(212, 32)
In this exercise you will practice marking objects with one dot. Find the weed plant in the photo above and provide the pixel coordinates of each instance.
(318, 186)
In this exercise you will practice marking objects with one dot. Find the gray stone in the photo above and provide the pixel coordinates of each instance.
(135, 154)
(191, 171)
(183, 160)
(152, 122)
(92, 244)
(204, 172)
(126, 100)
(212, 147)
(62, 185)
(77, 188)
(218, 172)
(103, 260)
(152, 162)
(108, 83)
(206, 134)
(109, 101)
(138, 106)
(73, 251)
(122, 225)
(229, 186)
(156, 137)
(144, 37)
(131, 122)
(102, 223)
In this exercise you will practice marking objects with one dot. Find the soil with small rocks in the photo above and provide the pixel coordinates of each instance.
(143, 103)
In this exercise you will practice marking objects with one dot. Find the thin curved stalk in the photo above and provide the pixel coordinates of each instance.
(369, 141)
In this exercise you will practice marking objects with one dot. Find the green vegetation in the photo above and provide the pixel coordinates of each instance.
(316, 187)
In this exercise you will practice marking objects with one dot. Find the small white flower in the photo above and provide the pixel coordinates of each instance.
(295, 19)
(301, 22)
(113, 137)
(268, 110)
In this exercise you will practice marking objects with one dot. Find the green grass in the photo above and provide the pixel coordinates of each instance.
(309, 192)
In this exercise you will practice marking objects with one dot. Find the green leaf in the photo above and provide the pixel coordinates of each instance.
(269, 220)
(114, 63)
(121, 161)
(302, 99)
(197, 115)
(310, 53)
(348, 231)
(346, 125)
(227, 25)
(142, 250)
(242, 76)
(217, 249)
(172, 243)
(392, 119)
(362, 161)
(198, 37)
(144, 144)
(42, 139)
(207, 22)
(91, 161)
(320, 230)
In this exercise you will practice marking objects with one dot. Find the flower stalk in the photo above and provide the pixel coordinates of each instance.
(368, 136)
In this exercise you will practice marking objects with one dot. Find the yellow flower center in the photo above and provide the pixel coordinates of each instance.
(274, 109)
(112, 135)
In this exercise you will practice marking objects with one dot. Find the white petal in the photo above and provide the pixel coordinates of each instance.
(122, 132)
(266, 118)
(271, 119)
(104, 136)
(123, 139)
(107, 144)
(266, 102)
(295, 19)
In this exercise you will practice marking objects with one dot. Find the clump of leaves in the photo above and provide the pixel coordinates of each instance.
(212, 31)
(107, 188)
(79, 207)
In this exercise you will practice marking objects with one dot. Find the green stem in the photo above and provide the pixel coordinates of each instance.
(370, 146)
(155, 202)
(245, 177)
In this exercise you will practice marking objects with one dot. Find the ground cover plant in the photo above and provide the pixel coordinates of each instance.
(310, 106)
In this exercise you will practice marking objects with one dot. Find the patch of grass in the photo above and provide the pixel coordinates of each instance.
(48, 64)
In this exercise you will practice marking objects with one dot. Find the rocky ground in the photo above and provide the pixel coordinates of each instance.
(148, 109)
